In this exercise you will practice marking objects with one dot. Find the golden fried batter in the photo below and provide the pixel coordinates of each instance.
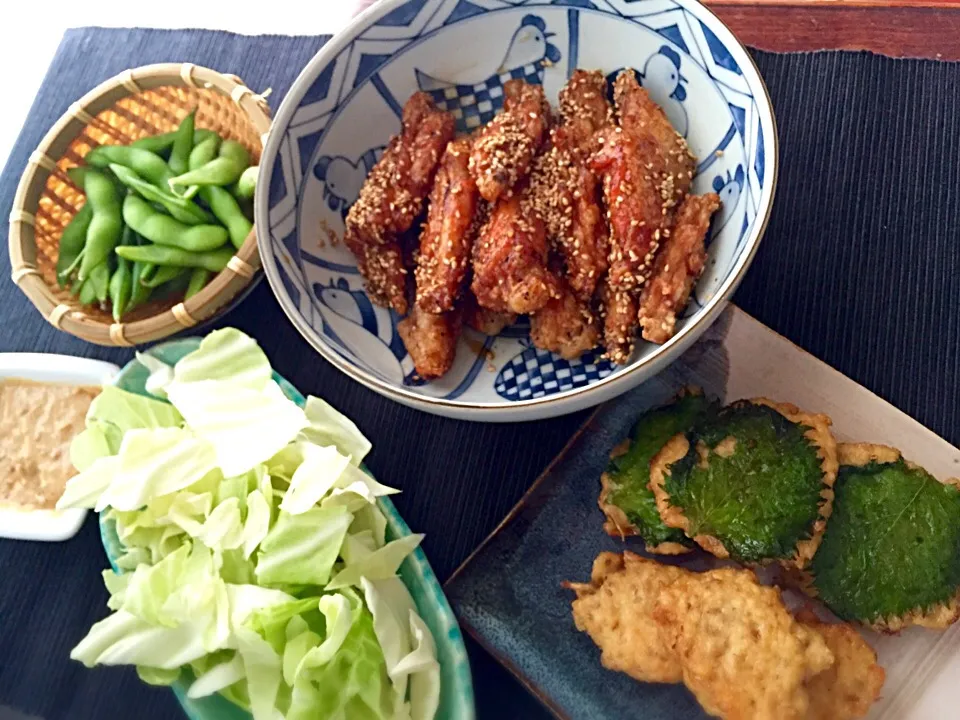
(847, 689)
(584, 109)
(488, 322)
(431, 340)
(640, 116)
(448, 236)
(392, 197)
(677, 268)
(505, 147)
(565, 325)
(510, 260)
(616, 608)
(742, 654)
(619, 312)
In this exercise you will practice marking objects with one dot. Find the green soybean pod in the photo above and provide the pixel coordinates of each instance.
(143, 162)
(162, 142)
(72, 240)
(182, 145)
(139, 293)
(164, 230)
(106, 223)
(121, 281)
(156, 144)
(198, 280)
(212, 260)
(186, 211)
(87, 294)
(246, 186)
(225, 208)
(164, 274)
(225, 169)
(100, 281)
(204, 151)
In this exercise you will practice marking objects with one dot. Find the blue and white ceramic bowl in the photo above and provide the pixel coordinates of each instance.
(342, 110)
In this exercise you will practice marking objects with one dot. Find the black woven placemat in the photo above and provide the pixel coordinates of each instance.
(860, 265)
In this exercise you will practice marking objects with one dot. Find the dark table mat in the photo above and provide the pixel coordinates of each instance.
(860, 266)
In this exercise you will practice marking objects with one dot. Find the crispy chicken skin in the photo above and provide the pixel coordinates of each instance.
(503, 152)
(431, 340)
(565, 325)
(382, 266)
(635, 209)
(510, 260)
(640, 116)
(488, 322)
(677, 268)
(447, 238)
(584, 110)
(392, 197)
(618, 309)
(566, 193)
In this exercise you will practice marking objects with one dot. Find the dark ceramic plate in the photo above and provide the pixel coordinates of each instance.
(508, 595)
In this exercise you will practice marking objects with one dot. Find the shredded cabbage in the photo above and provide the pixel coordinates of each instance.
(255, 554)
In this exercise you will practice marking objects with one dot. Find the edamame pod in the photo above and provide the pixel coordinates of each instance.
(186, 211)
(143, 162)
(106, 223)
(163, 275)
(198, 280)
(182, 145)
(212, 260)
(225, 169)
(164, 230)
(72, 240)
(224, 206)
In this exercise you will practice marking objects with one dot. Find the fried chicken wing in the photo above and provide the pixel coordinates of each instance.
(565, 325)
(566, 193)
(677, 268)
(392, 197)
(382, 267)
(635, 209)
(640, 116)
(488, 322)
(742, 654)
(503, 152)
(616, 610)
(448, 236)
(431, 340)
(584, 110)
(393, 194)
(510, 260)
(849, 688)
(619, 312)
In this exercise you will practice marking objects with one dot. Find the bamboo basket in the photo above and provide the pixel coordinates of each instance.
(145, 101)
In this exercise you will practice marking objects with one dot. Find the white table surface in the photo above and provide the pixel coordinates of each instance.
(29, 38)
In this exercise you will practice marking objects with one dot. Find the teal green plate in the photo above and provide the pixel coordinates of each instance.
(456, 687)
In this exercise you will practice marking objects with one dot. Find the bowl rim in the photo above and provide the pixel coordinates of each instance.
(224, 289)
(614, 384)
